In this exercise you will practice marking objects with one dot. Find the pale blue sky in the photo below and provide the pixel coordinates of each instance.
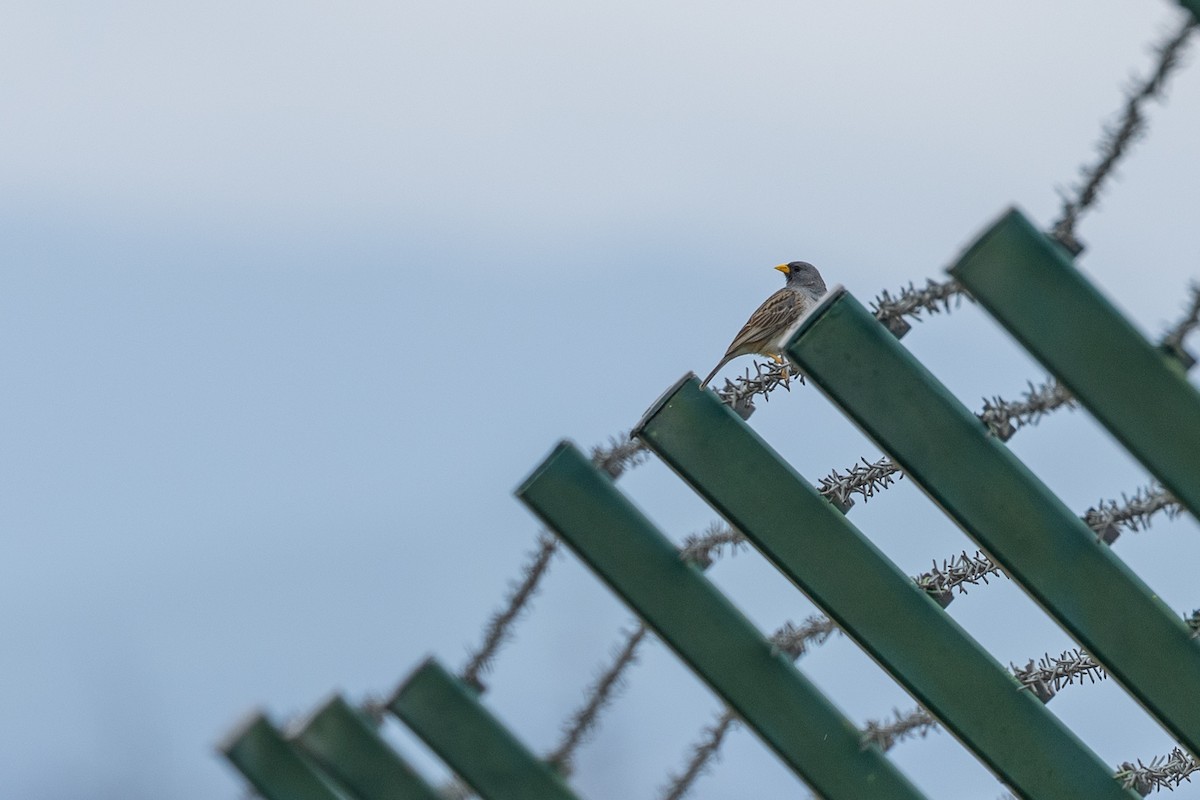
(293, 295)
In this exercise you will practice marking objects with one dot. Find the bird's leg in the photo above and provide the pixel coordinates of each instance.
(778, 359)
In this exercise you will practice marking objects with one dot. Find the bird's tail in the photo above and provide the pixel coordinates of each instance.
(713, 374)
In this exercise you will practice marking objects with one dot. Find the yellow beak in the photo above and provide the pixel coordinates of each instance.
(784, 268)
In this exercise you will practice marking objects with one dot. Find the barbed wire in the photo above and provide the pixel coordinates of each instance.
(791, 639)
(1133, 512)
(933, 298)
(957, 572)
(796, 640)
(1172, 340)
(768, 376)
(917, 723)
(600, 694)
(866, 479)
(1193, 621)
(1004, 417)
(700, 549)
(1115, 141)
(1163, 772)
(620, 455)
(1050, 674)
(702, 755)
(499, 625)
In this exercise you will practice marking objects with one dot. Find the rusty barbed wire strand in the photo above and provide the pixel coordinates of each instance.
(599, 694)
(1115, 141)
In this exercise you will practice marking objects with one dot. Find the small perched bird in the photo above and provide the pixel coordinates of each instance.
(761, 332)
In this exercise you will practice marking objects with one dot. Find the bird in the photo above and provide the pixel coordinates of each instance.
(761, 332)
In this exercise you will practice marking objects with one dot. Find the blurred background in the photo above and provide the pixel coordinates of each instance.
(293, 295)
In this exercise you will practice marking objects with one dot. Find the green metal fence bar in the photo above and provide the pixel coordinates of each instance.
(449, 718)
(871, 599)
(347, 747)
(699, 623)
(1022, 525)
(272, 765)
(1030, 285)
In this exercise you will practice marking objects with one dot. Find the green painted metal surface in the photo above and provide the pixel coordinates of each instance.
(1192, 6)
(723, 647)
(1021, 524)
(871, 599)
(348, 748)
(1030, 285)
(272, 765)
(449, 718)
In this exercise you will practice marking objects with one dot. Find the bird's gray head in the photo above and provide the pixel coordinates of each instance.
(803, 275)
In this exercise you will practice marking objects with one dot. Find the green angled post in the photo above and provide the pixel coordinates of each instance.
(871, 599)
(1030, 285)
(271, 763)
(699, 623)
(349, 749)
(1009, 513)
(449, 718)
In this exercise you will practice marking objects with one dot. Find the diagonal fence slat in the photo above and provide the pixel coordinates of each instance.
(272, 764)
(448, 717)
(871, 599)
(1029, 284)
(699, 623)
(347, 747)
(1000, 504)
